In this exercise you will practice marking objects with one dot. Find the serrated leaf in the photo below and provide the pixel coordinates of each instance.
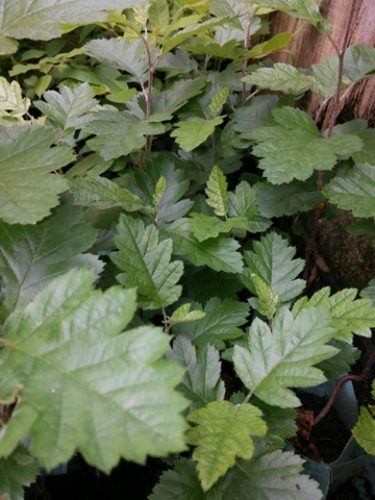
(295, 148)
(121, 54)
(69, 337)
(220, 254)
(180, 482)
(369, 292)
(304, 9)
(277, 42)
(347, 355)
(119, 133)
(367, 153)
(70, 107)
(354, 190)
(102, 193)
(266, 301)
(221, 322)
(169, 101)
(205, 226)
(194, 131)
(158, 16)
(287, 199)
(183, 314)
(28, 189)
(160, 189)
(348, 314)
(223, 432)
(217, 192)
(44, 19)
(276, 475)
(218, 101)
(258, 113)
(12, 104)
(243, 203)
(284, 357)
(281, 77)
(201, 382)
(281, 425)
(31, 256)
(273, 261)
(146, 263)
(16, 471)
(364, 429)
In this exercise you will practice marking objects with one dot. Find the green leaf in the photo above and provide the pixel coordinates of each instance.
(102, 193)
(281, 77)
(32, 256)
(304, 9)
(16, 471)
(258, 113)
(277, 42)
(220, 254)
(201, 382)
(276, 475)
(295, 148)
(221, 322)
(167, 102)
(266, 301)
(223, 432)
(273, 261)
(217, 192)
(281, 425)
(121, 54)
(70, 107)
(287, 199)
(69, 338)
(194, 131)
(364, 430)
(205, 226)
(243, 203)
(369, 292)
(44, 19)
(354, 190)
(28, 190)
(347, 355)
(12, 104)
(367, 153)
(218, 101)
(181, 482)
(284, 357)
(348, 314)
(146, 263)
(183, 314)
(158, 16)
(119, 133)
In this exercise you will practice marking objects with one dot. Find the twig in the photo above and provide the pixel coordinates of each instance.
(355, 378)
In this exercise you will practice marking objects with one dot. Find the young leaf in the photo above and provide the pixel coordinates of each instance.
(205, 226)
(69, 337)
(158, 16)
(70, 107)
(272, 260)
(220, 254)
(31, 256)
(285, 357)
(280, 77)
(194, 131)
(183, 314)
(221, 322)
(304, 9)
(16, 471)
(266, 301)
(286, 199)
(295, 148)
(201, 382)
(277, 42)
(223, 432)
(102, 193)
(12, 104)
(217, 192)
(354, 190)
(146, 263)
(243, 203)
(218, 101)
(28, 189)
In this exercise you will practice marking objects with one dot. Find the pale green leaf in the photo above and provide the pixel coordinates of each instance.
(243, 203)
(220, 254)
(16, 471)
(303, 9)
(273, 261)
(266, 301)
(70, 107)
(223, 432)
(295, 147)
(160, 189)
(69, 338)
(277, 42)
(158, 16)
(12, 104)
(369, 292)
(281, 77)
(146, 263)
(102, 193)
(205, 226)
(121, 54)
(194, 131)
(183, 314)
(119, 133)
(364, 431)
(201, 382)
(31, 256)
(28, 189)
(284, 357)
(218, 101)
(221, 322)
(217, 192)
(354, 190)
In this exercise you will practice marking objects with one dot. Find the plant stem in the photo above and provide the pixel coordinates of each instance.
(148, 96)
(356, 378)
(246, 43)
(336, 100)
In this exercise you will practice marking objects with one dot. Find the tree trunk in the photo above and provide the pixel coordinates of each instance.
(353, 22)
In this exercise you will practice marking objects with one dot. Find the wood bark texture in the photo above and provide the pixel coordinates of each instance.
(353, 22)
